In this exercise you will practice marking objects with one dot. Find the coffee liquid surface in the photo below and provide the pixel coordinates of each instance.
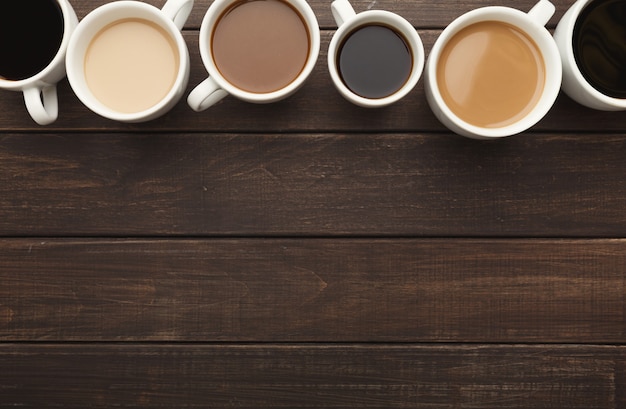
(131, 65)
(490, 74)
(374, 61)
(260, 46)
(600, 46)
(31, 32)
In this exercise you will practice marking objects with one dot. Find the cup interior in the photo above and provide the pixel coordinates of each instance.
(546, 46)
(566, 29)
(207, 29)
(96, 21)
(397, 24)
(54, 70)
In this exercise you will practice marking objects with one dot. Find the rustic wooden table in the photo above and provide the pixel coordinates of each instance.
(312, 253)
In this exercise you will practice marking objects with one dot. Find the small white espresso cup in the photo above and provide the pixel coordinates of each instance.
(575, 85)
(532, 25)
(385, 77)
(217, 86)
(125, 83)
(40, 89)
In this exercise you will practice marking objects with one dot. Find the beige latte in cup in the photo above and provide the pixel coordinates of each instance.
(491, 74)
(131, 65)
(129, 61)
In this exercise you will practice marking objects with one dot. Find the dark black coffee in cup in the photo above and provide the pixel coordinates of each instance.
(374, 61)
(31, 32)
(599, 43)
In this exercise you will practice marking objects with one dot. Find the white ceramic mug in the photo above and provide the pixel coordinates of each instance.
(40, 90)
(532, 24)
(574, 83)
(348, 22)
(170, 19)
(216, 86)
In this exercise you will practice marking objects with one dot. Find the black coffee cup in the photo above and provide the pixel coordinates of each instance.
(32, 53)
(590, 38)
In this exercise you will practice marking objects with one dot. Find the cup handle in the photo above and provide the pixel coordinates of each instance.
(206, 94)
(42, 104)
(342, 11)
(542, 12)
(178, 11)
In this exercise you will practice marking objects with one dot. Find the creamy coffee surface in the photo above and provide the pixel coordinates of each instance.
(260, 46)
(491, 74)
(131, 65)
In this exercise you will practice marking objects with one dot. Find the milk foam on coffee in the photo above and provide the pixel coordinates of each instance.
(491, 74)
(131, 65)
(260, 46)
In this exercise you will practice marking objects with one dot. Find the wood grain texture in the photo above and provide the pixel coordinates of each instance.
(293, 376)
(311, 253)
(302, 185)
(313, 290)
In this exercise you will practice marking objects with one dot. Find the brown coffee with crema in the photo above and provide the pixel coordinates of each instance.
(260, 46)
(491, 74)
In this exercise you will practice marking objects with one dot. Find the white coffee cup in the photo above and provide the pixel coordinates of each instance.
(574, 83)
(170, 19)
(40, 90)
(532, 24)
(348, 22)
(216, 86)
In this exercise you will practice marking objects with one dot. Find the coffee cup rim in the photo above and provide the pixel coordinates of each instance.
(382, 17)
(546, 45)
(207, 26)
(41, 77)
(568, 53)
(98, 19)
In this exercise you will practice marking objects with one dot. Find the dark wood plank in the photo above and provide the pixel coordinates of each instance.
(313, 290)
(301, 184)
(291, 376)
(316, 107)
(311, 253)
